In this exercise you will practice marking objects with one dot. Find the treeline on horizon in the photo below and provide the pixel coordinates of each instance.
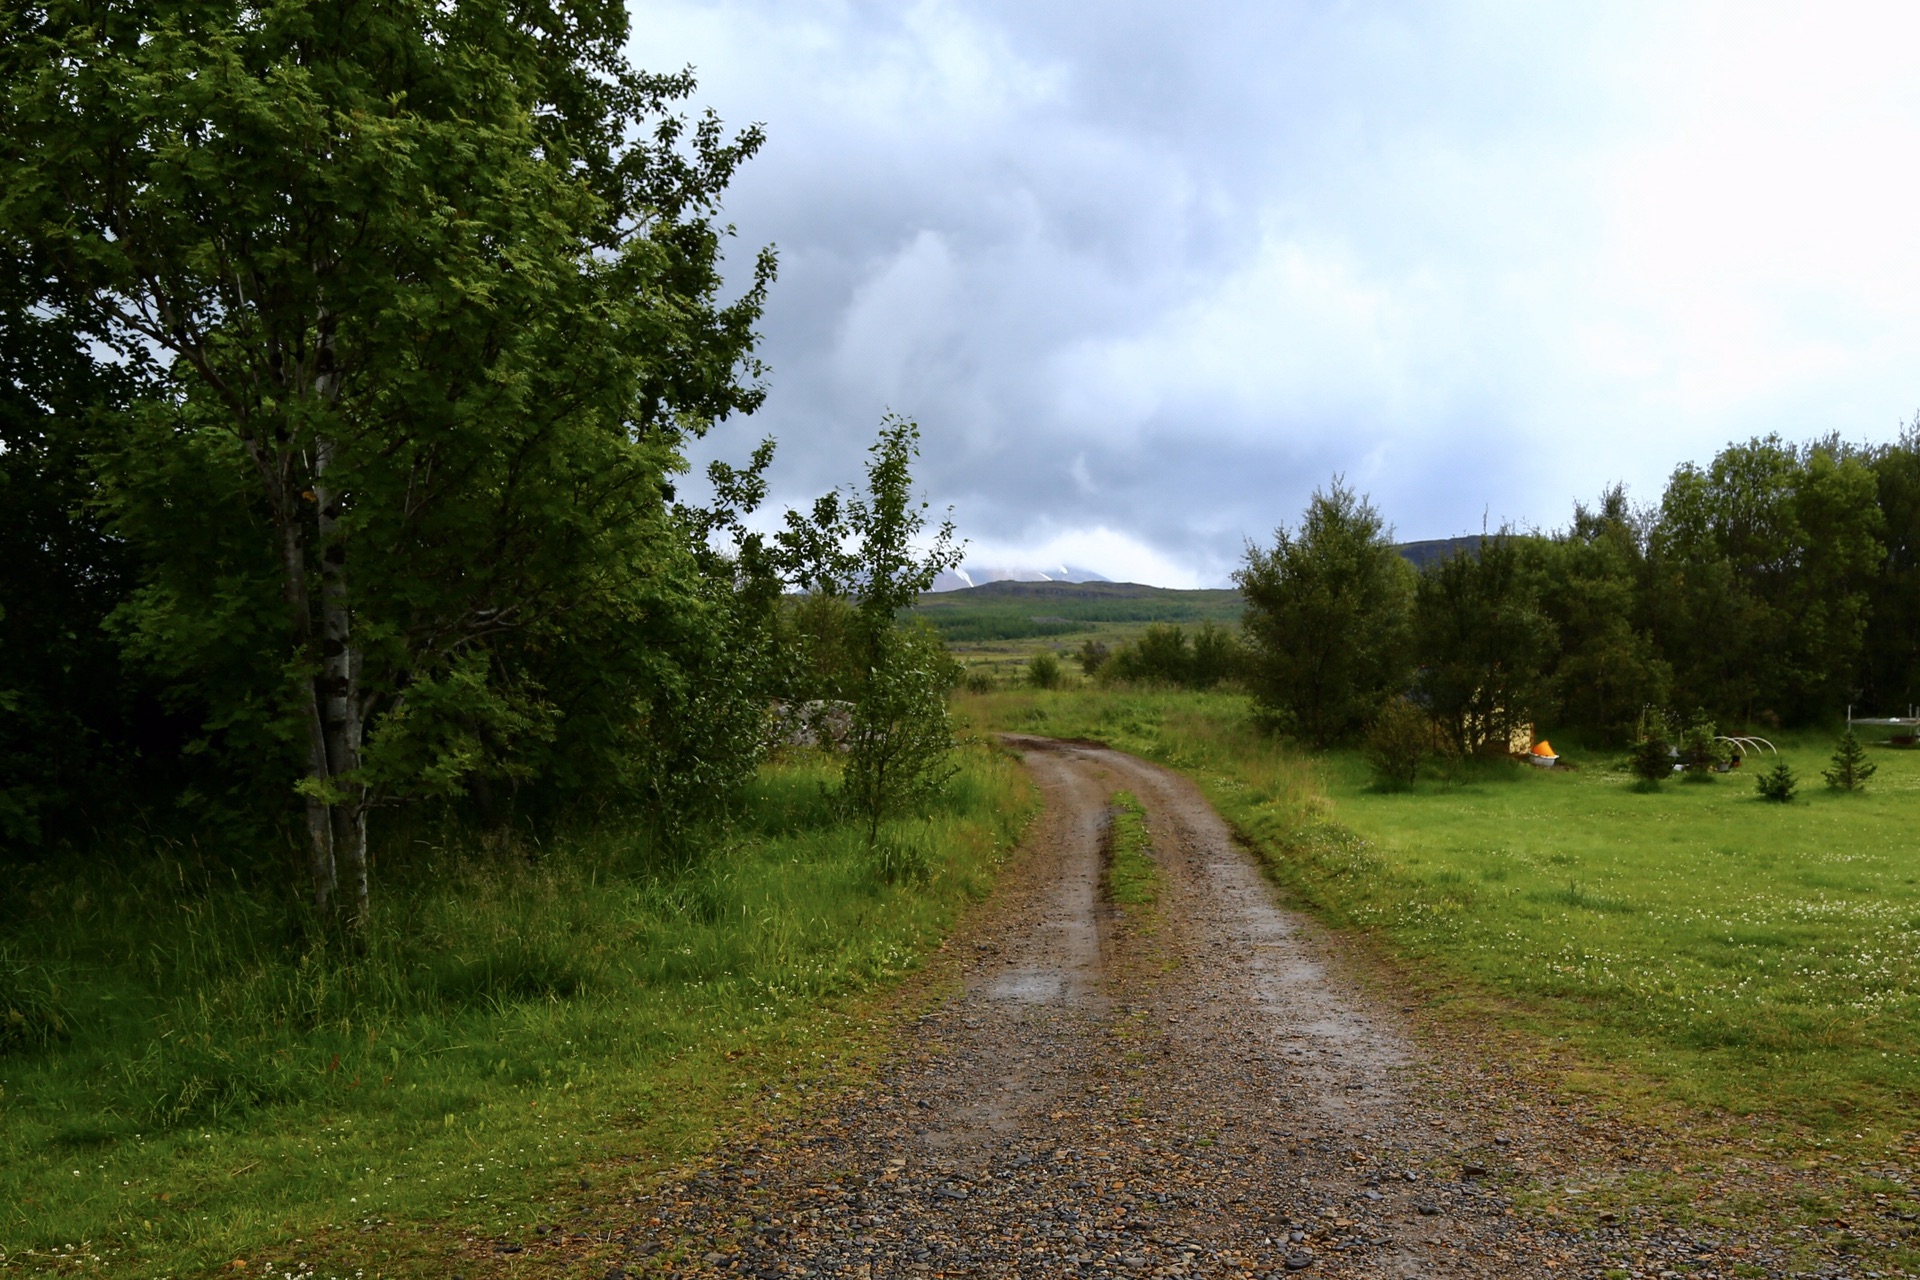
(1775, 586)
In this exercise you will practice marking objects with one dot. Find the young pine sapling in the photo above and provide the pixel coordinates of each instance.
(1850, 768)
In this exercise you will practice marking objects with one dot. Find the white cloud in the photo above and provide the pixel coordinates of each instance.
(901, 316)
(1295, 333)
(1763, 237)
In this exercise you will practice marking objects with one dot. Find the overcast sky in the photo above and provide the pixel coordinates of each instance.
(1149, 274)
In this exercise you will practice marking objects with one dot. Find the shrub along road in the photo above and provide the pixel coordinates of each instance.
(1199, 1083)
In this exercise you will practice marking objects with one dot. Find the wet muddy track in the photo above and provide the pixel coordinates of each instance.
(1205, 1093)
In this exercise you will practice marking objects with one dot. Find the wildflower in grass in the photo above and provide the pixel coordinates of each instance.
(1850, 768)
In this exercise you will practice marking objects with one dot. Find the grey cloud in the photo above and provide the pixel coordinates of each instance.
(1160, 270)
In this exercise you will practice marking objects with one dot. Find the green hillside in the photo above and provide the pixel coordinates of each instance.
(1005, 611)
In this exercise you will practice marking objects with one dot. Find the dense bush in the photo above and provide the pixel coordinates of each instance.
(1166, 655)
(1217, 657)
(84, 737)
(1702, 754)
(1403, 736)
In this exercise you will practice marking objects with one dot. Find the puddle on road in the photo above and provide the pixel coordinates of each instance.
(1030, 986)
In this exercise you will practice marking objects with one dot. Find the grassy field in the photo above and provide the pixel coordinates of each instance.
(1711, 948)
(999, 626)
(533, 1026)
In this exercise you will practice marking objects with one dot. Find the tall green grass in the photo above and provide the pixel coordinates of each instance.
(1133, 877)
(190, 1079)
(1729, 953)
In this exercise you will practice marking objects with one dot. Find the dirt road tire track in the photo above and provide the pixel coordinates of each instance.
(1203, 1093)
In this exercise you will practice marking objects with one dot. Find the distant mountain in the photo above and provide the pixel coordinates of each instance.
(1008, 591)
(968, 575)
(1422, 554)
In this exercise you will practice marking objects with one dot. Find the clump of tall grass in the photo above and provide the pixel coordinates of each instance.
(217, 1000)
(32, 1013)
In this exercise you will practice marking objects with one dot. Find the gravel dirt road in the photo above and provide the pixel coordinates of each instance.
(1205, 1090)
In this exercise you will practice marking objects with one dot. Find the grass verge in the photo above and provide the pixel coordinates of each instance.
(186, 1088)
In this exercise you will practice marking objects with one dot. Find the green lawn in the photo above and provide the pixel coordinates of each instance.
(1750, 955)
(528, 1018)
(1730, 953)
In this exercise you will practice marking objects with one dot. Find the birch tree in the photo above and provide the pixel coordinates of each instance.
(870, 551)
(434, 292)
